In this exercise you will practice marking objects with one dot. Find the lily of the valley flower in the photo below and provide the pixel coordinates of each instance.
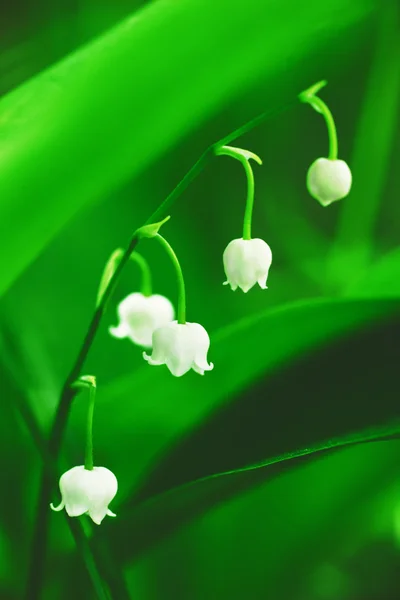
(181, 347)
(328, 180)
(87, 491)
(140, 316)
(247, 262)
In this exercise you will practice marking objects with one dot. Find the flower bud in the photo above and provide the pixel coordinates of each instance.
(140, 316)
(328, 180)
(181, 347)
(247, 262)
(86, 491)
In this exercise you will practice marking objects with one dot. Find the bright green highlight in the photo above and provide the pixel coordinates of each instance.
(244, 157)
(89, 382)
(108, 272)
(319, 105)
(150, 230)
(58, 116)
(179, 276)
(355, 246)
(286, 332)
(146, 285)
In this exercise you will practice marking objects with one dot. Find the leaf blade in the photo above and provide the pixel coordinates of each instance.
(169, 498)
(80, 129)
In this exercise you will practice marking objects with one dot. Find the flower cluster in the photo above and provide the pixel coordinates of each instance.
(148, 320)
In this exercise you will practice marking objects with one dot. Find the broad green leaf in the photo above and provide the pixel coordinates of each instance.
(326, 400)
(280, 525)
(380, 280)
(375, 135)
(80, 129)
(141, 415)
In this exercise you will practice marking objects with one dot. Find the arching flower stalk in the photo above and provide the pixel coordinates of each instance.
(328, 179)
(246, 260)
(87, 489)
(180, 345)
(141, 313)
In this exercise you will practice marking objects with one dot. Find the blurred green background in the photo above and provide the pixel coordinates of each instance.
(312, 359)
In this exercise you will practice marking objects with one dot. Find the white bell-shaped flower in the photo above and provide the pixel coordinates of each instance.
(140, 315)
(247, 262)
(328, 180)
(181, 347)
(86, 491)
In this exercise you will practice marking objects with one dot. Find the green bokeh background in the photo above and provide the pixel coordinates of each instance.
(324, 529)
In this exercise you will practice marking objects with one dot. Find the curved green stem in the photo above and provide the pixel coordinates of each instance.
(209, 153)
(179, 277)
(36, 571)
(248, 213)
(244, 156)
(330, 123)
(146, 287)
(89, 428)
(309, 97)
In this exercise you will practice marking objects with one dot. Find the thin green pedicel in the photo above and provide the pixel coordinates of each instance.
(181, 312)
(88, 382)
(146, 284)
(309, 97)
(244, 156)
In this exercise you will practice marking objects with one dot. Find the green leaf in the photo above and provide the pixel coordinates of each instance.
(330, 398)
(150, 230)
(380, 280)
(374, 139)
(108, 272)
(151, 400)
(77, 131)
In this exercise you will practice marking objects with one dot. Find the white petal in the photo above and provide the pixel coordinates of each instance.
(181, 349)
(59, 507)
(178, 369)
(163, 340)
(179, 365)
(76, 509)
(202, 345)
(262, 282)
(201, 367)
(73, 487)
(245, 287)
(132, 304)
(141, 315)
(103, 488)
(103, 485)
(161, 309)
(97, 514)
(141, 334)
(151, 361)
(120, 332)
